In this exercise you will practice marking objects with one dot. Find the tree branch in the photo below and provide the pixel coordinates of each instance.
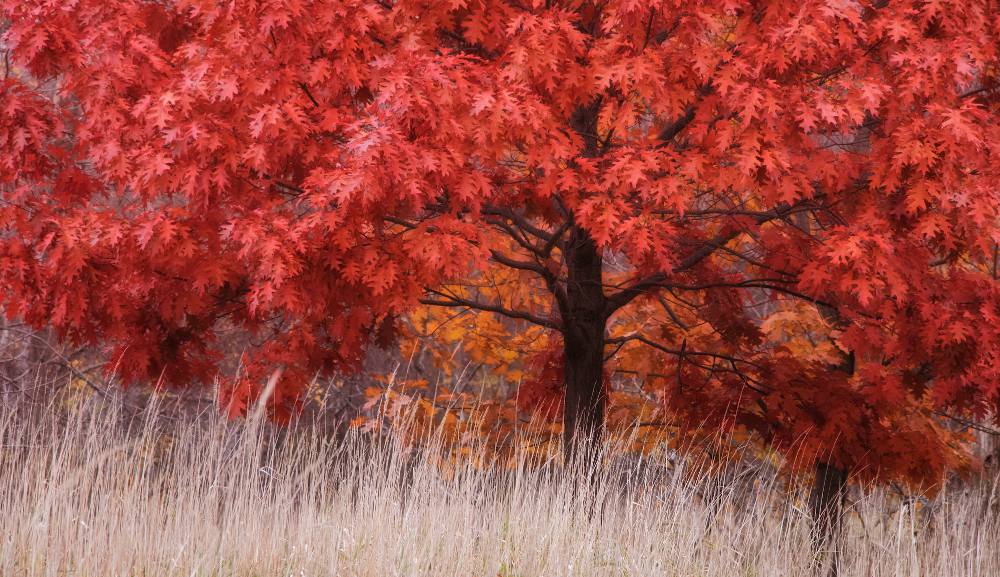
(627, 295)
(520, 221)
(556, 237)
(684, 352)
(448, 300)
(670, 131)
(512, 232)
(507, 261)
(677, 352)
(751, 284)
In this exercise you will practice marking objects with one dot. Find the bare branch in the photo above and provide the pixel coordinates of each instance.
(677, 352)
(514, 233)
(550, 278)
(448, 300)
(670, 312)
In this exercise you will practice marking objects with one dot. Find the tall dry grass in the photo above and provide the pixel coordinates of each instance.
(96, 494)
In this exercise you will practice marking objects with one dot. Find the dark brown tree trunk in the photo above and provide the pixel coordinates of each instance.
(583, 346)
(826, 500)
(826, 507)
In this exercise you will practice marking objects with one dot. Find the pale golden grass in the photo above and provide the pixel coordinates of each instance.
(83, 495)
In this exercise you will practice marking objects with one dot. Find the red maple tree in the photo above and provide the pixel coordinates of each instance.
(308, 170)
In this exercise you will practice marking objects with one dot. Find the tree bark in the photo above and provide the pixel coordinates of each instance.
(826, 507)
(825, 502)
(826, 499)
(583, 346)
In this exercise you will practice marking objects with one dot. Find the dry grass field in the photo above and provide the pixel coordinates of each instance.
(84, 495)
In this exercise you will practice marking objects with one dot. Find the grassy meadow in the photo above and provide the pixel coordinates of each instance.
(96, 492)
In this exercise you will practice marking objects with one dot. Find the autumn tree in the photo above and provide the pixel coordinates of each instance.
(306, 171)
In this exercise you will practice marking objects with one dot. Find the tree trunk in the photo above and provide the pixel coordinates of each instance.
(826, 500)
(583, 346)
(825, 505)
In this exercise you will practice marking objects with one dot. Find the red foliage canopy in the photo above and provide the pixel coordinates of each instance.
(307, 169)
